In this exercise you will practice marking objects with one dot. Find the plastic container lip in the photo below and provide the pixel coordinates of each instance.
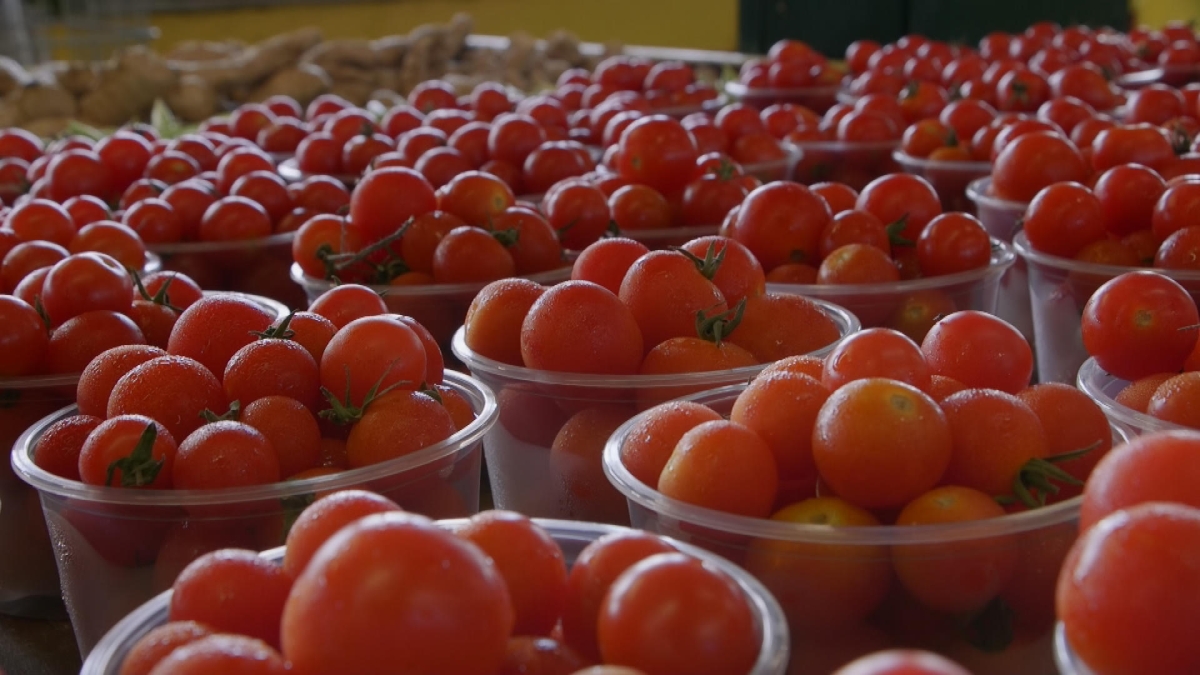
(690, 232)
(480, 396)
(426, 290)
(69, 379)
(278, 238)
(289, 170)
(906, 160)
(738, 90)
(1088, 382)
(1021, 244)
(774, 641)
(847, 324)
(839, 146)
(877, 535)
(1064, 656)
(1003, 257)
(977, 192)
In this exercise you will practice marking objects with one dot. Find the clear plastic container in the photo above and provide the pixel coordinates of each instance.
(817, 99)
(950, 179)
(117, 547)
(838, 585)
(1065, 657)
(1103, 388)
(854, 164)
(529, 474)
(1058, 290)
(441, 308)
(1002, 219)
(28, 577)
(257, 266)
(912, 306)
(572, 537)
(780, 169)
(669, 236)
(289, 170)
(1176, 76)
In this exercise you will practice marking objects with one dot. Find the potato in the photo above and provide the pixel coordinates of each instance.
(46, 127)
(151, 69)
(357, 93)
(303, 82)
(79, 78)
(192, 99)
(204, 50)
(12, 75)
(355, 53)
(39, 99)
(10, 114)
(391, 50)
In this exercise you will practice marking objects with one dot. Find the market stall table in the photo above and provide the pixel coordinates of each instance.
(37, 647)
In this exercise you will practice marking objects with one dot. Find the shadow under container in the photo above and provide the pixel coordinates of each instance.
(440, 308)
(571, 537)
(949, 178)
(1058, 290)
(1103, 388)
(854, 163)
(1002, 219)
(912, 307)
(118, 547)
(979, 592)
(257, 266)
(544, 455)
(28, 576)
(817, 99)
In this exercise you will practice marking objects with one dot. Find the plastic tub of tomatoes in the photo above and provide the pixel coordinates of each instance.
(304, 403)
(950, 177)
(792, 72)
(1125, 404)
(912, 306)
(961, 561)
(632, 328)
(1059, 290)
(733, 625)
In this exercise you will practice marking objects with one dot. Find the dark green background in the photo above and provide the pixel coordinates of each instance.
(831, 25)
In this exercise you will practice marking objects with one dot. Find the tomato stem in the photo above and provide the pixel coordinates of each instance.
(391, 267)
(41, 312)
(345, 412)
(894, 231)
(991, 630)
(162, 297)
(231, 415)
(139, 468)
(281, 332)
(709, 264)
(716, 328)
(507, 238)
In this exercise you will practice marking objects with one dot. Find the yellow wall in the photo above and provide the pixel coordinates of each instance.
(1158, 12)
(699, 24)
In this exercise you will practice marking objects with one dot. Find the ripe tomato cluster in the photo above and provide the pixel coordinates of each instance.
(790, 64)
(1142, 327)
(629, 310)
(1129, 217)
(62, 316)
(1140, 524)
(500, 582)
(237, 396)
(884, 431)
(400, 231)
(893, 230)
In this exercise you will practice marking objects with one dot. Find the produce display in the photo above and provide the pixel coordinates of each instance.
(892, 359)
(199, 79)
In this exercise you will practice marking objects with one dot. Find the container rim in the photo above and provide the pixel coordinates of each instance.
(1003, 257)
(1021, 244)
(314, 285)
(977, 192)
(841, 146)
(739, 90)
(774, 646)
(847, 322)
(877, 535)
(1065, 658)
(967, 165)
(1088, 381)
(481, 397)
(70, 379)
(178, 248)
(289, 170)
